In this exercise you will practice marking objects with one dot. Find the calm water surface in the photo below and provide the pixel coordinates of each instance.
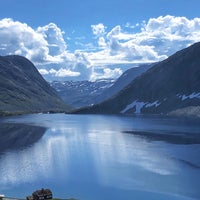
(99, 157)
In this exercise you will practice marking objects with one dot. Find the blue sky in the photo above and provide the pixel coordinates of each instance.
(76, 40)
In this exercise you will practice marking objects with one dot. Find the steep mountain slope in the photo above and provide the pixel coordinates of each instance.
(22, 88)
(126, 78)
(169, 85)
(85, 93)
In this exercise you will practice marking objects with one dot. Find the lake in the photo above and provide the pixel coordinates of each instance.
(100, 157)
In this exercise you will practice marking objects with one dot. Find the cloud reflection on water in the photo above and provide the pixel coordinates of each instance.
(99, 153)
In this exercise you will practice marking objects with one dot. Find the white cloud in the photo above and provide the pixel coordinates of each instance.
(129, 25)
(106, 73)
(54, 36)
(60, 73)
(46, 47)
(113, 73)
(170, 34)
(43, 71)
(73, 67)
(102, 42)
(98, 30)
(19, 38)
(65, 73)
(158, 38)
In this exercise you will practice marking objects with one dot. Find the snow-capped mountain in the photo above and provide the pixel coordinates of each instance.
(170, 85)
(85, 93)
(81, 93)
(126, 78)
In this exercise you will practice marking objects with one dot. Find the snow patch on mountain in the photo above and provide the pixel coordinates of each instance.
(138, 105)
(81, 93)
(191, 96)
(155, 103)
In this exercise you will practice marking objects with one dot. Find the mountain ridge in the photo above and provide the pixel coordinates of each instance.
(169, 85)
(85, 93)
(24, 90)
(125, 79)
(81, 93)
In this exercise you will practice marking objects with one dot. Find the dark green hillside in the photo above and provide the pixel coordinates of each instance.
(169, 85)
(23, 89)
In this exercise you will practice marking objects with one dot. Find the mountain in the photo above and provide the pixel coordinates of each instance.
(126, 78)
(81, 93)
(170, 85)
(23, 89)
(85, 93)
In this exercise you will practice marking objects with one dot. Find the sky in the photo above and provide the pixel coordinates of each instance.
(90, 40)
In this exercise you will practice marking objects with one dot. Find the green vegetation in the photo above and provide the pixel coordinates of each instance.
(23, 89)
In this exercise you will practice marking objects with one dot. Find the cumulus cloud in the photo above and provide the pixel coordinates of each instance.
(74, 66)
(98, 29)
(169, 34)
(105, 73)
(102, 42)
(19, 38)
(54, 36)
(61, 72)
(157, 39)
(149, 41)
(45, 47)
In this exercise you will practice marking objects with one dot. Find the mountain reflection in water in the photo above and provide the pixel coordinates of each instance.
(170, 137)
(104, 157)
(18, 136)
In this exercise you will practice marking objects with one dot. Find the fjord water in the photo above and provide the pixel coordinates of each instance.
(95, 157)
